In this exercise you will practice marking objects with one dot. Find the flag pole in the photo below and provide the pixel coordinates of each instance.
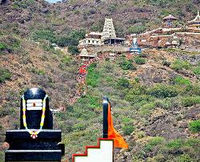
(105, 117)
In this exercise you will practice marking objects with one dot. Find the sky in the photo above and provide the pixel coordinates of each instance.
(52, 1)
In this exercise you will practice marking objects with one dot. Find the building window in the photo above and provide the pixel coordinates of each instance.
(93, 41)
(88, 41)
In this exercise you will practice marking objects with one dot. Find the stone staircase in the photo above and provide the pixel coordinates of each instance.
(103, 152)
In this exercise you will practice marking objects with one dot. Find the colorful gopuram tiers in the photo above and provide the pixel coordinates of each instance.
(195, 23)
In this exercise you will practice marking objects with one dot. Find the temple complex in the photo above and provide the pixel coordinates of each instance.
(107, 37)
(168, 35)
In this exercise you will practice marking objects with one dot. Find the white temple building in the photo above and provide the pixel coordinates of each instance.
(107, 36)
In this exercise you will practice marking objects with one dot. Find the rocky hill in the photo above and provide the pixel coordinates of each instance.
(155, 96)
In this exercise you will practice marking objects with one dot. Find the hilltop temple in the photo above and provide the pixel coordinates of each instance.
(107, 36)
(168, 35)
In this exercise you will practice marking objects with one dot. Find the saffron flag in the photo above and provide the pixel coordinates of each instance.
(119, 141)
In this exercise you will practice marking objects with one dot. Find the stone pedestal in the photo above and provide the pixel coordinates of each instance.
(45, 147)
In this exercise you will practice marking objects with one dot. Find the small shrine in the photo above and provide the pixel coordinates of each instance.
(168, 21)
(85, 55)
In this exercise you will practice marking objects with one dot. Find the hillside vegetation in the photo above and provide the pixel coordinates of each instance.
(155, 96)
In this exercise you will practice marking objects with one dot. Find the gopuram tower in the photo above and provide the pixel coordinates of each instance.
(108, 29)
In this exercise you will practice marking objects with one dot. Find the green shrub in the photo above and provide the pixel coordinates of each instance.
(137, 80)
(193, 90)
(146, 109)
(112, 8)
(10, 44)
(3, 46)
(193, 142)
(167, 103)
(123, 83)
(127, 65)
(38, 71)
(175, 144)
(154, 142)
(194, 126)
(4, 75)
(138, 99)
(72, 39)
(166, 63)
(22, 4)
(66, 60)
(161, 3)
(190, 101)
(127, 120)
(7, 110)
(44, 34)
(181, 81)
(180, 65)
(13, 42)
(2, 158)
(73, 50)
(196, 70)
(163, 91)
(136, 29)
(93, 76)
(137, 89)
(184, 158)
(128, 129)
(139, 60)
(98, 26)
(79, 127)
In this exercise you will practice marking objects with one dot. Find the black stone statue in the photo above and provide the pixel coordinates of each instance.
(35, 140)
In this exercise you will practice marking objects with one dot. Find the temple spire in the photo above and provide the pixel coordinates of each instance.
(108, 29)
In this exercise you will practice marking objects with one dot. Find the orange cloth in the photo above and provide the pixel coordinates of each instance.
(82, 70)
(119, 141)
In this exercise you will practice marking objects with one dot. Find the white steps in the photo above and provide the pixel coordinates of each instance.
(101, 153)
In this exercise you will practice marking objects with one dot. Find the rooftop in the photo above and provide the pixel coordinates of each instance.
(84, 53)
(95, 33)
(169, 17)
